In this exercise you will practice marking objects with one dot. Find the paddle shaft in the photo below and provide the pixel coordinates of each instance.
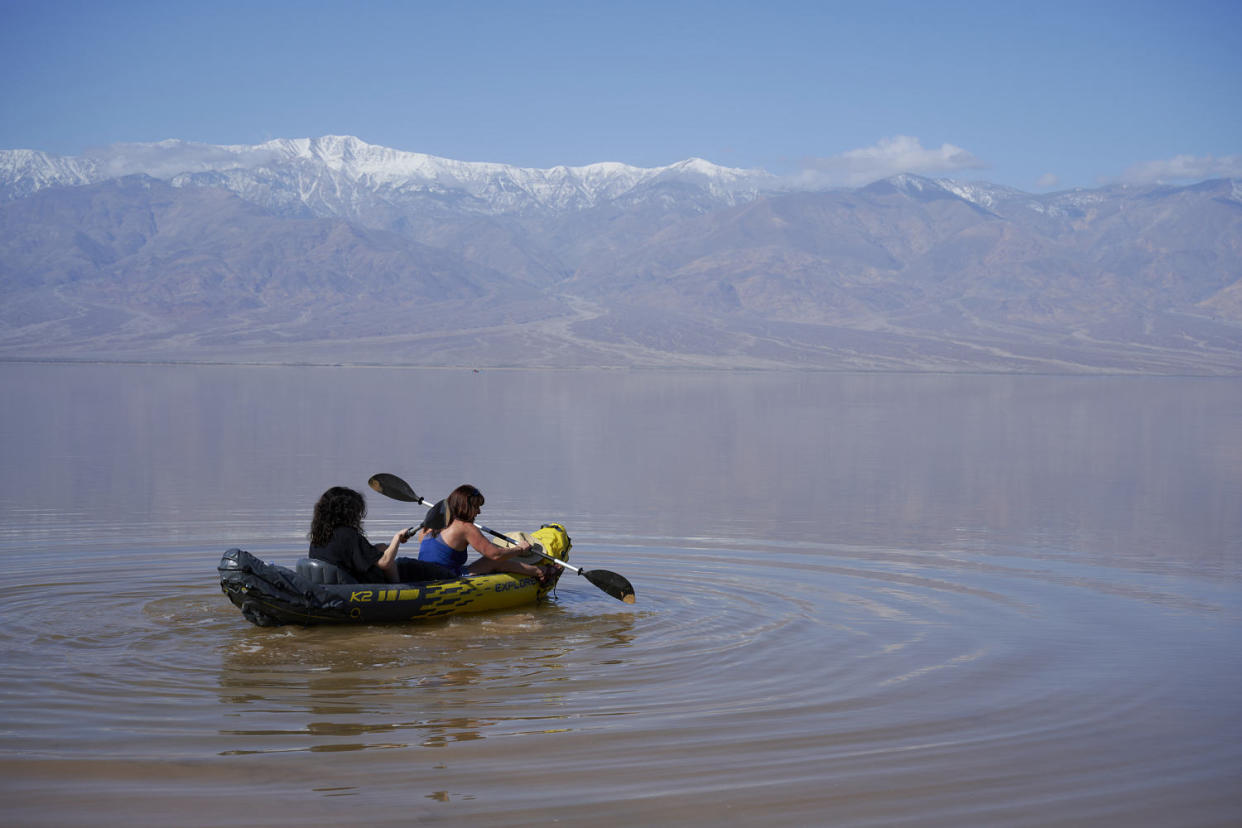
(618, 587)
(511, 542)
(538, 552)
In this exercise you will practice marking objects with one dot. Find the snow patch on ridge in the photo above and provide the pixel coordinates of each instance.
(329, 168)
(24, 172)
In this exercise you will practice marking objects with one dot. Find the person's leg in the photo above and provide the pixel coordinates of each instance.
(484, 566)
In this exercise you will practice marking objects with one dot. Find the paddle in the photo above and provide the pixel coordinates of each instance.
(618, 587)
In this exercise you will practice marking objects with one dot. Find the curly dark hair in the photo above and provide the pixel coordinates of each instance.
(337, 506)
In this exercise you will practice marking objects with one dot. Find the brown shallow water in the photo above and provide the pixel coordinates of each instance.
(863, 600)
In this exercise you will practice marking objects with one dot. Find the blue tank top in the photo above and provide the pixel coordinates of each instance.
(433, 550)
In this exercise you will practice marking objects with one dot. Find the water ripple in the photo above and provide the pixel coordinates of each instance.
(769, 671)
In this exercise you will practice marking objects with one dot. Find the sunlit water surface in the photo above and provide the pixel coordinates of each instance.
(862, 600)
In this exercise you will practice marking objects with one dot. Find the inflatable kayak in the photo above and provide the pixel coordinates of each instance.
(315, 592)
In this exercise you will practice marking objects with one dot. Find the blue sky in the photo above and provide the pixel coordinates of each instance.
(1036, 95)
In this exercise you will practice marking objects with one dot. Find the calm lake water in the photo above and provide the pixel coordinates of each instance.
(862, 600)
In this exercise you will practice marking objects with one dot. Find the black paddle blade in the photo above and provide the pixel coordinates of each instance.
(389, 485)
(436, 518)
(610, 582)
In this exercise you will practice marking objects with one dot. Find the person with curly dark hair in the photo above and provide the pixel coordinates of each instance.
(336, 538)
(445, 545)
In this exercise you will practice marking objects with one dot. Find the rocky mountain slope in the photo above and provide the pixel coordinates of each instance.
(334, 250)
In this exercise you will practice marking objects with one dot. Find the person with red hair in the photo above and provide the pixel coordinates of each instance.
(445, 545)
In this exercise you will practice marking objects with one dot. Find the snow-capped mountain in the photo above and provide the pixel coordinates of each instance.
(25, 172)
(339, 175)
(328, 248)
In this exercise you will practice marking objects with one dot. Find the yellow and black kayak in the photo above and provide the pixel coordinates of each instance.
(316, 593)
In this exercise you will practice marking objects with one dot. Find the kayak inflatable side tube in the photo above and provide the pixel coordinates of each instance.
(270, 595)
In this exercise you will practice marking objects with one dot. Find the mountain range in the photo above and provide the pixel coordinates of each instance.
(332, 250)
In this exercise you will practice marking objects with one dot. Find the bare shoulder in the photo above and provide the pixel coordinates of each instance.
(471, 533)
(457, 532)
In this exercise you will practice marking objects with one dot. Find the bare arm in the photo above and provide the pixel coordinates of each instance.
(488, 549)
(499, 558)
(388, 560)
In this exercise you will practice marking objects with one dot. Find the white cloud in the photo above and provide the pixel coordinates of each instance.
(1048, 181)
(166, 159)
(889, 156)
(1184, 168)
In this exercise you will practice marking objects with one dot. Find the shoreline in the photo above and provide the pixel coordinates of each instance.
(635, 369)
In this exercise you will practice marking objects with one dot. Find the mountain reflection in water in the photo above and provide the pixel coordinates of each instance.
(862, 599)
